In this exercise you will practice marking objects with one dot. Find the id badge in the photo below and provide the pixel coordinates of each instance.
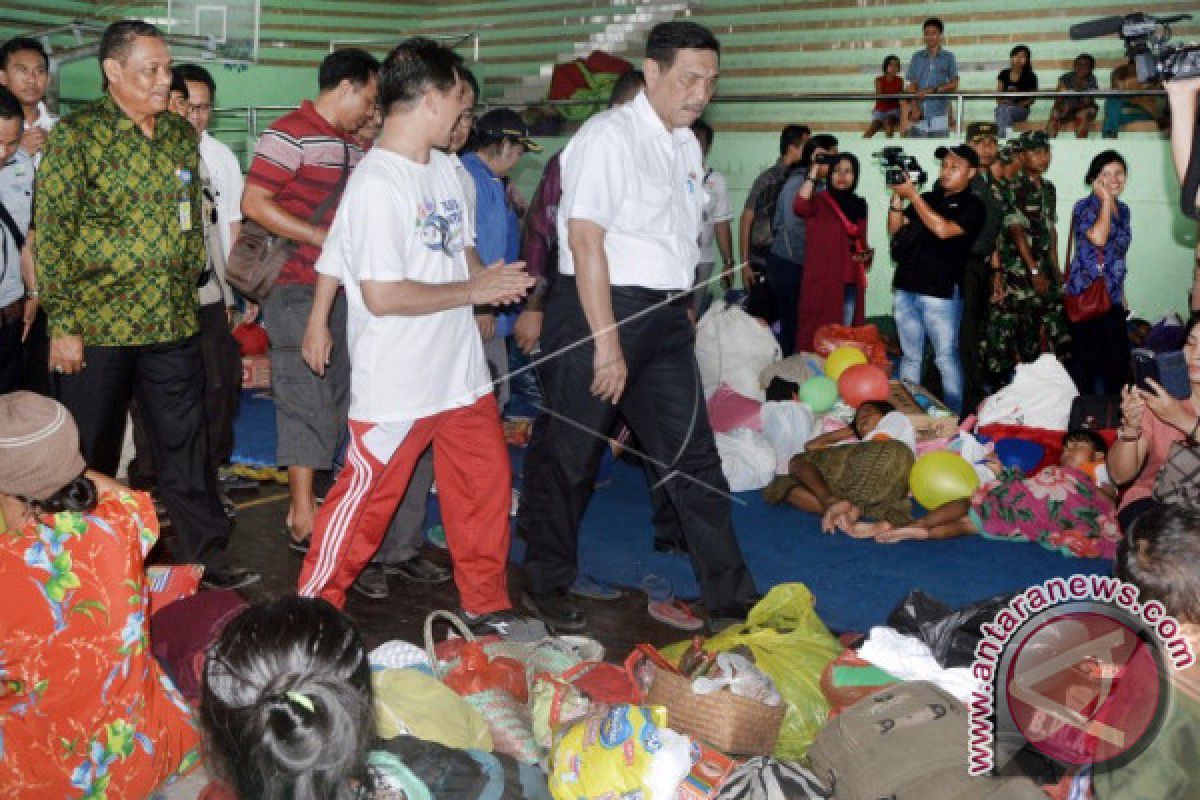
(184, 176)
(185, 213)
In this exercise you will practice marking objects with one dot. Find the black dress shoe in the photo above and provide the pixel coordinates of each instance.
(231, 578)
(371, 583)
(558, 610)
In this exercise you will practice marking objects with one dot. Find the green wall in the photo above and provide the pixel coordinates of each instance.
(1160, 260)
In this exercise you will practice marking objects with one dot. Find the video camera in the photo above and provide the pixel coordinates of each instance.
(898, 165)
(1156, 58)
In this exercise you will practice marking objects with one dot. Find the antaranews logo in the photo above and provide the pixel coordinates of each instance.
(1077, 668)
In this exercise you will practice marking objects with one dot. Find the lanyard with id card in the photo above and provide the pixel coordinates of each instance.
(185, 198)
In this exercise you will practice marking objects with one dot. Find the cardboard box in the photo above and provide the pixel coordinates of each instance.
(256, 372)
(930, 418)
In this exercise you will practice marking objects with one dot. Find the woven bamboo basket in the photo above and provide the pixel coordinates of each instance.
(722, 720)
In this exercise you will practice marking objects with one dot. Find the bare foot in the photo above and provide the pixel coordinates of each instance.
(868, 530)
(839, 515)
(902, 534)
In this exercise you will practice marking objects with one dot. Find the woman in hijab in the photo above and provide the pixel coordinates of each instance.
(836, 254)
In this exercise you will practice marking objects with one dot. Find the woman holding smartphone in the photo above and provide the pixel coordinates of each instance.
(1101, 234)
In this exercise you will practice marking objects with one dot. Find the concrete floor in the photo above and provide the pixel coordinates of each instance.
(258, 544)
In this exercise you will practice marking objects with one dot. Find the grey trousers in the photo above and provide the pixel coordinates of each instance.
(406, 532)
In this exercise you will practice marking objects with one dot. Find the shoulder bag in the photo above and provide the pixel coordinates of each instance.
(1094, 301)
(258, 255)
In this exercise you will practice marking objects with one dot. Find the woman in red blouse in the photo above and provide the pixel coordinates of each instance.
(836, 256)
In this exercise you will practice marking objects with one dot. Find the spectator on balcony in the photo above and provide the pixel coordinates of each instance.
(1121, 110)
(1080, 111)
(887, 113)
(931, 72)
(1018, 76)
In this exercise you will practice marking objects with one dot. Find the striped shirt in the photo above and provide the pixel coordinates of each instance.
(299, 160)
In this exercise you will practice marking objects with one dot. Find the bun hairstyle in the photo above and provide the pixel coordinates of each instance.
(287, 702)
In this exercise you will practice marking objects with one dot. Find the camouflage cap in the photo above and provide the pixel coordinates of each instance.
(1032, 140)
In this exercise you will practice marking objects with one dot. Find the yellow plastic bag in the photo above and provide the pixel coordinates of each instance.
(409, 701)
(626, 752)
(791, 645)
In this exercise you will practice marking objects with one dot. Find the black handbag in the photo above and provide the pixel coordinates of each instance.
(1096, 412)
(760, 300)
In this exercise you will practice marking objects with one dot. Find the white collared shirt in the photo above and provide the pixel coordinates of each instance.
(627, 173)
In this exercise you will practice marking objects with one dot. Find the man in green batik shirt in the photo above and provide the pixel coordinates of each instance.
(119, 252)
(1027, 319)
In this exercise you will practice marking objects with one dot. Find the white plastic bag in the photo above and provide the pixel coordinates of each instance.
(732, 347)
(788, 426)
(747, 459)
(1039, 396)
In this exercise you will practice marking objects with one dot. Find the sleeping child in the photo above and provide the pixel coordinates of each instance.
(861, 470)
(1068, 507)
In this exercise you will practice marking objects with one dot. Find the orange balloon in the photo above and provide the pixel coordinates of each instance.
(862, 383)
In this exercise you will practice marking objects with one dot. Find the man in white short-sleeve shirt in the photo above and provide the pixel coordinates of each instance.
(630, 219)
(417, 371)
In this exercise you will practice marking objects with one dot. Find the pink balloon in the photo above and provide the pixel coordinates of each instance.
(862, 383)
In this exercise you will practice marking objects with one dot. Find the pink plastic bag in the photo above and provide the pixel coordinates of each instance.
(728, 410)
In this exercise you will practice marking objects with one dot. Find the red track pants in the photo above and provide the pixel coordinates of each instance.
(474, 480)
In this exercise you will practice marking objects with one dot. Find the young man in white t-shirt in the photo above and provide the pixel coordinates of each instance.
(418, 373)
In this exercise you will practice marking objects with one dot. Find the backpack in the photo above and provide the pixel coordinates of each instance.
(763, 227)
(906, 741)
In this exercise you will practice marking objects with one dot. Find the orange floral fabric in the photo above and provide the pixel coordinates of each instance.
(85, 710)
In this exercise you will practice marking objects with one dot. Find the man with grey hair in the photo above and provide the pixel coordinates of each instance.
(119, 255)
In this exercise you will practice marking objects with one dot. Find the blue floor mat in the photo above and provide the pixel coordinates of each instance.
(856, 583)
(254, 430)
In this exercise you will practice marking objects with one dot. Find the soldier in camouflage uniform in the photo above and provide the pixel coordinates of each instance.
(1027, 316)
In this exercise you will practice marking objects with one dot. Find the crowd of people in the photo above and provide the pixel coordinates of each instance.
(914, 109)
(398, 312)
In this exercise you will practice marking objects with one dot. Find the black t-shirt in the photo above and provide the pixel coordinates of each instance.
(1026, 83)
(936, 265)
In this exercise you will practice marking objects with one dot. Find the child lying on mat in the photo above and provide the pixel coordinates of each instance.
(1068, 508)
(861, 470)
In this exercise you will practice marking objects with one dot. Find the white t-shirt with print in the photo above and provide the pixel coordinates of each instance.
(400, 220)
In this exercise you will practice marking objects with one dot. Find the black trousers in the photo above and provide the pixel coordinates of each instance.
(37, 357)
(222, 386)
(167, 380)
(12, 360)
(976, 297)
(664, 405)
(1100, 352)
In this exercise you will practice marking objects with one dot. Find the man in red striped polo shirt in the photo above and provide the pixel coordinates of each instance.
(298, 163)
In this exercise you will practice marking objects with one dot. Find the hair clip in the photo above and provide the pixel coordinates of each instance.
(302, 700)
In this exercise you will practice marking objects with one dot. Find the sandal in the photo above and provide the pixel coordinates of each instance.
(675, 613)
(297, 545)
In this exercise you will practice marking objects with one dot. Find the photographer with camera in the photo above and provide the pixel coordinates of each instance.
(931, 242)
(836, 255)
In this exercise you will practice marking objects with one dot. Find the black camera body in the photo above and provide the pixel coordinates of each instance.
(898, 166)
(824, 159)
(1153, 53)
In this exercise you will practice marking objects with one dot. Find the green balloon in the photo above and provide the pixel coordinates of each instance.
(820, 392)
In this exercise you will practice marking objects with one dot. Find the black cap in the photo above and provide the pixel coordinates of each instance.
(504, 123)
(961, 150)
